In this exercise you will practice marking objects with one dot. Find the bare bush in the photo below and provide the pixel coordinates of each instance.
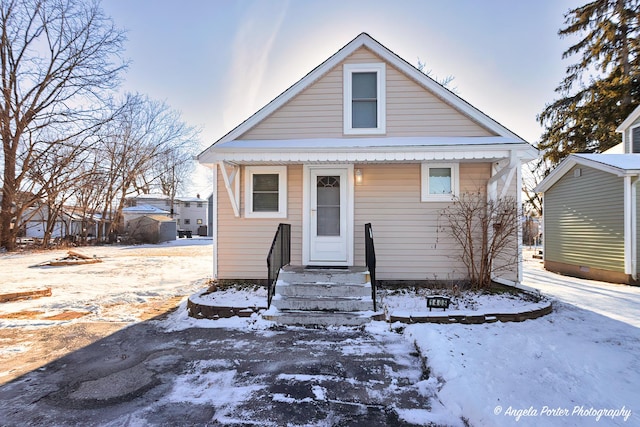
(486, 231)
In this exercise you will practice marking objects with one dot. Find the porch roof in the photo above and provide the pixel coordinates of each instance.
(368, 150)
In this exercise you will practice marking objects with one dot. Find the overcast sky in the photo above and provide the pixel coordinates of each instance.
(219, 61)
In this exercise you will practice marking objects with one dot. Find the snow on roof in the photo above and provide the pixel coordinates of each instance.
(145, 209)
(369, 149)
(151, 196)
(159, 218)
(624, 162)
(190, 199)
(333, 143)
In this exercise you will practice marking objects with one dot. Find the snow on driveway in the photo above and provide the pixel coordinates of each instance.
(619, 302)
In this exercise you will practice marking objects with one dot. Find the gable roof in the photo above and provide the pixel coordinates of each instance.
(616, 164)
(365, 40)
(635, 114)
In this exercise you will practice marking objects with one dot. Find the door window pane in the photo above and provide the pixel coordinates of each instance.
(439, 180)
(265, 192)
(328, 206)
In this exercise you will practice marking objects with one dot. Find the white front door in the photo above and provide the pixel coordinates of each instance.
(329, 215)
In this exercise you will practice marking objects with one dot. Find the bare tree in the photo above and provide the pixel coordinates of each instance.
(57, 58)
(486, 232)
(143, 134)
(533, 173)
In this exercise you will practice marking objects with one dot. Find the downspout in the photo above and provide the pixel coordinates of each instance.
(214, 221)
(630, 236)
(520, 274)
(634, 231)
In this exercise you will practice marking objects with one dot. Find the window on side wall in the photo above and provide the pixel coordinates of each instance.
(266, 192)
(635, 140)
(440, 182)
(364, 92)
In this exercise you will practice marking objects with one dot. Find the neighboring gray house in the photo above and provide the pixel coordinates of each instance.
(591, 221)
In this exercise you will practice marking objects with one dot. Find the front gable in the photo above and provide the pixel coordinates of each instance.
(411, 110)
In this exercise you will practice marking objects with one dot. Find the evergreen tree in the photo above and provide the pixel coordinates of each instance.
(602, 88)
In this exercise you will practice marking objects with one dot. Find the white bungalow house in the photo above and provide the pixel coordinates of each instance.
(364, 138)
(590, 204)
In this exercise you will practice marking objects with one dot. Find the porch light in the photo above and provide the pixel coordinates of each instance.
(358, 174)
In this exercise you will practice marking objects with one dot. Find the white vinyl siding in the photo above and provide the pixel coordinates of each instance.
(317, 112)
(584, 223)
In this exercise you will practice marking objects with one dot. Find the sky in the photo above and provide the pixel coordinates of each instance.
(219, 61)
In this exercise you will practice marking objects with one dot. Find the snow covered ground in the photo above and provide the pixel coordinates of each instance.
(578, 366)
(108, 291)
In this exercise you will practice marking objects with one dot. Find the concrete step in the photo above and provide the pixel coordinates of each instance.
(322, 303)
(319, 289)
(299, 274)
(321, 318)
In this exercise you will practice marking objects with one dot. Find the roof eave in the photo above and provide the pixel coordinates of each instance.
(574, 160)
(635, 114)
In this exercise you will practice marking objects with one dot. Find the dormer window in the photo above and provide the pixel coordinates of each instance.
(364, 99)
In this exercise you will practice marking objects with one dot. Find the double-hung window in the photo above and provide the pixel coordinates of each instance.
(364, 99)
(266, 191)
(635, 140)
(440, 182)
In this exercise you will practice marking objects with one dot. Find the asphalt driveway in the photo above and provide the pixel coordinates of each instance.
(144, 375)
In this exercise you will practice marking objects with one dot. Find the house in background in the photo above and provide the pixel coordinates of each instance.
(190, 213)
(67, 223)
(365, 137)
(590, 205)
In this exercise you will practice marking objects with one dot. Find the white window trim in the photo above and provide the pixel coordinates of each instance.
(455, 182)
(379, 69)
(282, 191)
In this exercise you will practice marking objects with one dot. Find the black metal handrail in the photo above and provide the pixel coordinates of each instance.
(370, 256)
(279, 256)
